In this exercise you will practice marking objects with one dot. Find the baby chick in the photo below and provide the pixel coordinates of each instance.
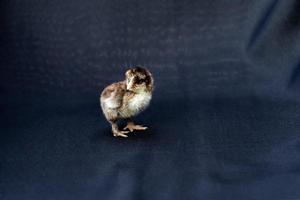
(125, 99)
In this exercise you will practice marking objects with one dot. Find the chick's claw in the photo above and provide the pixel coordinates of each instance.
(120, 133)
(131, 126)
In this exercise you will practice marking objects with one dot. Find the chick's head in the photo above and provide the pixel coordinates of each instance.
(138, 80)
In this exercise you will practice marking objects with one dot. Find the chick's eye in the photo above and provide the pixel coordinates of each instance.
(138, 80)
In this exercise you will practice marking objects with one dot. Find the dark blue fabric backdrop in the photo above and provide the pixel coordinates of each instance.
(225, 116)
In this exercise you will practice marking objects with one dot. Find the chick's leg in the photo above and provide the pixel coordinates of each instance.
(131, 126)
(115, 130)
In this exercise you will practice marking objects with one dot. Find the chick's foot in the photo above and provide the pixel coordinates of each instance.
(115, 130)
(117, 133)
(131, 127)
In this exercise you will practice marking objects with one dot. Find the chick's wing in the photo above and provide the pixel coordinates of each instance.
(112, 96)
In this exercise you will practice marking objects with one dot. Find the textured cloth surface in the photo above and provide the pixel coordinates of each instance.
(224, 122)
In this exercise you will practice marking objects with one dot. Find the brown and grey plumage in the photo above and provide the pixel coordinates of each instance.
(125, 99)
